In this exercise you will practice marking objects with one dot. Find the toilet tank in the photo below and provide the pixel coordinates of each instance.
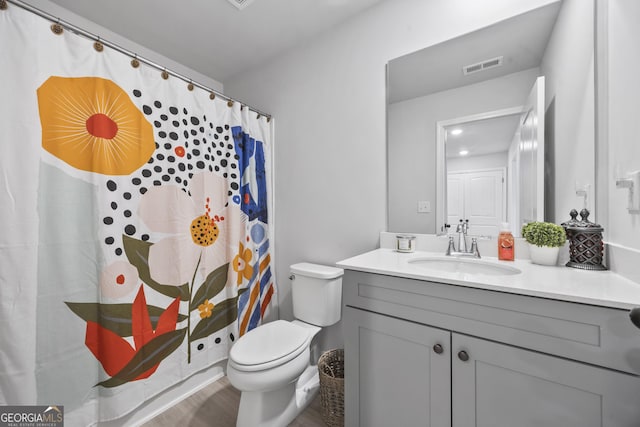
(316, 291)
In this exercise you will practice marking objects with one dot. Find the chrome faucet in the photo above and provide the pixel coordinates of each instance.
(461, 230)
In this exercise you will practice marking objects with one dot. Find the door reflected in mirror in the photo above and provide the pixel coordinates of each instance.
(478, 186)
(494, 167)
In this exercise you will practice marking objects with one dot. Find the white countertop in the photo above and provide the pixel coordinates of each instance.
(602, 288)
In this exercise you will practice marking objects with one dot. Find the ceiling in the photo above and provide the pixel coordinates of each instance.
(482, 137)
(213, 37)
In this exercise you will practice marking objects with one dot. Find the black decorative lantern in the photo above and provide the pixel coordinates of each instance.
(586, 248)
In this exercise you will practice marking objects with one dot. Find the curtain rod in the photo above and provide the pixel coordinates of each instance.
(121, 49)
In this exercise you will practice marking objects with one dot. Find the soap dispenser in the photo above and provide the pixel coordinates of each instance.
(505, 243)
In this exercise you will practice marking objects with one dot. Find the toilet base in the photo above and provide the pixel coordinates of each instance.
(277, 408)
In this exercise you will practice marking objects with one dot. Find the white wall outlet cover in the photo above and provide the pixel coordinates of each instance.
(424, 206)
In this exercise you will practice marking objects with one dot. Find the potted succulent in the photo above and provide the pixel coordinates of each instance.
(545, 240)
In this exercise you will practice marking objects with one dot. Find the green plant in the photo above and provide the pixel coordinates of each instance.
(544, 234)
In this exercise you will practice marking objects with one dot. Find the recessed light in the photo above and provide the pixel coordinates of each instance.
(463, 152)
(455, 132)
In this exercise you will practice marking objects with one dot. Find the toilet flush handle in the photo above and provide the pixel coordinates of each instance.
(292, 277)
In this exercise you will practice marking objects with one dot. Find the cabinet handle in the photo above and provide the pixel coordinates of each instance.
(463, 355)
(438, 349)
(634, 315)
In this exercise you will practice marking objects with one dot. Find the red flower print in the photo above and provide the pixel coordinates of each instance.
(114, 352)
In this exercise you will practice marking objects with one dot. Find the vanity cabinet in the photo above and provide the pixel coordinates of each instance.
(501, 385)
(395, 377)
(420, 353)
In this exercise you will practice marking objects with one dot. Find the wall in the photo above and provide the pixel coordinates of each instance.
(568, 67)
(412, 141)
(622, 229)
(328, 100)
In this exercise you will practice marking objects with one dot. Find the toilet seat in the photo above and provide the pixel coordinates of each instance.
(269, 345)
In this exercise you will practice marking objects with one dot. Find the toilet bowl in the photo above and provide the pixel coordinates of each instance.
(271, 365)
(270, 356)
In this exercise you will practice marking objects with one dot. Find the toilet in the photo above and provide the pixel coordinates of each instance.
(272, 365)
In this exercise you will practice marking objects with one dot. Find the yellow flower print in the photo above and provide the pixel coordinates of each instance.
(242, 264)
(206, 309)
(91, 124)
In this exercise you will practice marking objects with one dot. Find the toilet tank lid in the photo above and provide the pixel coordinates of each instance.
(316, 270)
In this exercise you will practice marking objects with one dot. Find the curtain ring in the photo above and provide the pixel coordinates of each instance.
(190, 85)
(3, 5)
(134, 62)
(212, 95)
(268, 119)
(56, 28)
(164, 74)
(229, 103)
(258, 116)
(99, 47)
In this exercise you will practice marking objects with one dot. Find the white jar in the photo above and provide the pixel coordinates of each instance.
(405, 243)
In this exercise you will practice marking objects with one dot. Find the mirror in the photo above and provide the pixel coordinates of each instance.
(475, 83)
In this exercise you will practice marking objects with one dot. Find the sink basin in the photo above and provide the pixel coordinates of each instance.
(463, 265)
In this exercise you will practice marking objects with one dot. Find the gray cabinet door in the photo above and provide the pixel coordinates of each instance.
(501, 385)
(394, 377)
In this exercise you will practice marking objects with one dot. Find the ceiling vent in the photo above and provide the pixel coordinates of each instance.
(241, 4)
(481, 66)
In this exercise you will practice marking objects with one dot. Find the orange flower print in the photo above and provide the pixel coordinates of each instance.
(242, 264)
(91, 124)
(205, 309)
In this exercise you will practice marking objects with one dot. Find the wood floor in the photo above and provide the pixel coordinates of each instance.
(217, 406)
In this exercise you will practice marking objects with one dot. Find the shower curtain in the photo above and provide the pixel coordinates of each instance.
(134, 224)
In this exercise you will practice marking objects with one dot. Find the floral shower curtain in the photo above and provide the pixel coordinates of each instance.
(134, 224)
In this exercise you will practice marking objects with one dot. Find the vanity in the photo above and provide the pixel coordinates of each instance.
(428, 343)
(437, 341)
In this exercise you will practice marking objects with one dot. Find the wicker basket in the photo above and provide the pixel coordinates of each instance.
(331, 371)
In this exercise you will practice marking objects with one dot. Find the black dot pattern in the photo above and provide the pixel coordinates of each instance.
(186, 143)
